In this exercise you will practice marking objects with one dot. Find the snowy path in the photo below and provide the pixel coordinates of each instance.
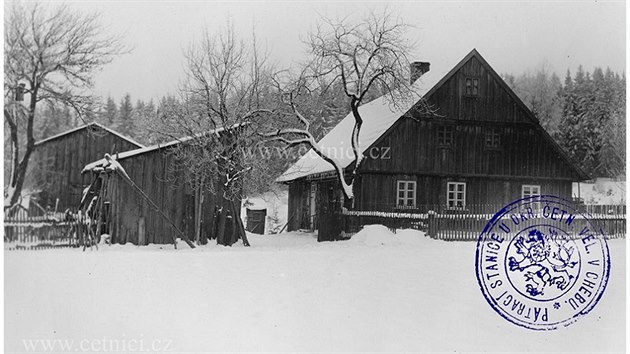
(286, 293)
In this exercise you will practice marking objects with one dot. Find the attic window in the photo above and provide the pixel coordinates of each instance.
(492, 138)
(445, 134)
(472, 86)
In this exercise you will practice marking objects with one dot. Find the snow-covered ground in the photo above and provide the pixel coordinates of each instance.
(603, 191)
(286, 293)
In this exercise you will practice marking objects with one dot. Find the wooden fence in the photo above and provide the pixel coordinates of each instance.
(53, 230)
(443, 223)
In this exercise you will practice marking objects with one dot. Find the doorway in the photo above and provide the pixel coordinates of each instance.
(313, 206)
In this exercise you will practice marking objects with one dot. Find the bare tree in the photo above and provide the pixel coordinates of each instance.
(367, 58)
(50, 54)
(226, 86)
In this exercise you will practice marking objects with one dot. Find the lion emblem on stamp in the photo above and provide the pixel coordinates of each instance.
(542, 264)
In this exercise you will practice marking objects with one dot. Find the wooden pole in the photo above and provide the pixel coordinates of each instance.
(101, 203)
(287, 224)
(239, 225)
(88, 231)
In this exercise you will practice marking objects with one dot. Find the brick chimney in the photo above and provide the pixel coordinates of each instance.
(417, 69)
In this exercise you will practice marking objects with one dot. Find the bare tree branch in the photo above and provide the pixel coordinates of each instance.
(54, 51)
(368, 57)
(225, 89)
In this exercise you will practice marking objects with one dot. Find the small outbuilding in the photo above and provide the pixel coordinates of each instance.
(175, 207)
(256, 216)
(55, 170)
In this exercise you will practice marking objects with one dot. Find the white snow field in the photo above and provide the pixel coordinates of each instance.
(287, 293)
(602, 191)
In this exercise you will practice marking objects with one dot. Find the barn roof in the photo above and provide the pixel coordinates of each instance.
(379, 115)
(93, 124)
(144, 150)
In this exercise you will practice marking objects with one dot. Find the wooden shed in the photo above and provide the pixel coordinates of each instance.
(57, 161)
(130, 218)
(479, 144)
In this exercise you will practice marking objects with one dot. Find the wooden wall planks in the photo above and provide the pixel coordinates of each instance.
(61, 160)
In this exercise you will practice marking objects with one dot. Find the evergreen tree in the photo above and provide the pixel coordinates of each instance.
(126, 124)
(139, 109)
(150, 109)
(593, 122)
(145, 117)
(90, 116)
(573, 135)
(109, 116)
(613, 151)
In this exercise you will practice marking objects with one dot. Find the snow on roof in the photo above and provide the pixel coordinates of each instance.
(130, 153)
(378, 116)
(88, 125)
(255, 203)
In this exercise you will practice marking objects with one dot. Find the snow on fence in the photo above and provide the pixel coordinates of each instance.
(53, 230)
(444, 223)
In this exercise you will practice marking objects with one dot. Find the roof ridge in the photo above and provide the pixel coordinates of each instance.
(133, 141)
(93, 123)
(158, 146)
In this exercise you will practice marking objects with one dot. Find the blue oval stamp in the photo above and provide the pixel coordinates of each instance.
(541, 263)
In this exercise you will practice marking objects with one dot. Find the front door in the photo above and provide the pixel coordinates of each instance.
(329, 212)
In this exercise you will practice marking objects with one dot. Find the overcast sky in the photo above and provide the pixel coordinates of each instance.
(513, 36)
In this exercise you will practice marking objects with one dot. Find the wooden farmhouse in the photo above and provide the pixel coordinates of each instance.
(57, 162)
(478, 144)
(155, 170)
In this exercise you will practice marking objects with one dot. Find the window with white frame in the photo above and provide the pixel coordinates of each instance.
(406, 194)
(530, 189)
(456, 195)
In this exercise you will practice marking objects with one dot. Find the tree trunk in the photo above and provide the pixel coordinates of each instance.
(198, 213)
(15, 150)
(233, 230)
(230, 227)
(221, 225)
(17, 180)
(18, 170)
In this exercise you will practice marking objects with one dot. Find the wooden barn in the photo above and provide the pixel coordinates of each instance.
(479, 144)
(129, 217)
(57, 161)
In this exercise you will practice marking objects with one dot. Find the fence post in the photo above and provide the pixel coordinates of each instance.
(431, 220)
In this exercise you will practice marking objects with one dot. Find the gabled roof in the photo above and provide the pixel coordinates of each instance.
(379, 116)
(93, 124)
(144, 150)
